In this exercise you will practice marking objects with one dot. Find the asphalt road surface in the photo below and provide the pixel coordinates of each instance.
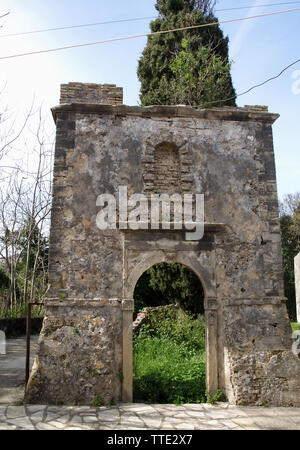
(12, 369)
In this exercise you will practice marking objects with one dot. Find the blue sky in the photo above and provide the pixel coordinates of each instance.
(260, 48)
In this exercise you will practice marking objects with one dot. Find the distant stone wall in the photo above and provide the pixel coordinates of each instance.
(297, 285)
(106, 94)
(143, 315)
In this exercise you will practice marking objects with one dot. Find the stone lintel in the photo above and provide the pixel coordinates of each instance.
(224, 113)
(254, 301)
(169, 227)
(168, 244)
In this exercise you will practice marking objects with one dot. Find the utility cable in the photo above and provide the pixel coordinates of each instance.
(254, 87)
(256, 6)
(78, 26)
(129, 20)
(147, 34)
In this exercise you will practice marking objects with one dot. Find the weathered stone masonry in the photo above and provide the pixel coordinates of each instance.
(85, 347)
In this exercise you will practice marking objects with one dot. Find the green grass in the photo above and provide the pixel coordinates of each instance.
(169, 359)
(295, 326)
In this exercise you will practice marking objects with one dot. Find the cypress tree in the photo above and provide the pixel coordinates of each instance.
(189, 66)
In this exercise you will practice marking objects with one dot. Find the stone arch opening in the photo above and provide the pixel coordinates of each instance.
(168, 283)
(159, 256)
(206, 279)
(172, 294)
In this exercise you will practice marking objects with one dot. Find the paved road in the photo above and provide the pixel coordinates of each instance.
(12, 369)
(127, 416)
(149, 417)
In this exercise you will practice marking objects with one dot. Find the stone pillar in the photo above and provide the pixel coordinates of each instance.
(211, 321)
(2, 343)
(127, 307)
(297, 285)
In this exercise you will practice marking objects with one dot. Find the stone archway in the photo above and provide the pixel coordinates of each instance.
(225, 154)
(147, 260)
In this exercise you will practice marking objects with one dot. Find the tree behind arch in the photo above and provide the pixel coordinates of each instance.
(165, 284)
(189, 66)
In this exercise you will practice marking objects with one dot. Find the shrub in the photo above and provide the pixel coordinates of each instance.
(20, 311)
(169, 359)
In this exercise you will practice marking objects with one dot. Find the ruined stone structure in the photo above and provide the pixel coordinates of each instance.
(85, 347)
(297, 284)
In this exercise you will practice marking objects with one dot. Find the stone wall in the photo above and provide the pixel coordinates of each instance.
(80, 354)
(225, 154)
(297, 285)
(107, 94)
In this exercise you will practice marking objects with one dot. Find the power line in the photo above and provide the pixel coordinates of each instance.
(255, 86)
(69, 27)
(256, 6)
(4, 15)
(78, 26)
(147, 34)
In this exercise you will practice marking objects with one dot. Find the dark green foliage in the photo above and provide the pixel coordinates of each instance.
(165, 284)
(24, 275)
(160, 80)
(290, 248)
(32, 240)
(4, 280)
(169, 359)
(290, 239)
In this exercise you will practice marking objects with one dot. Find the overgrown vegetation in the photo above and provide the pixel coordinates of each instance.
(23, 277)
(97, 401)
(295, 326)
(25, 206)
(290, 238)
(169, 358)
(20, 311)
(163, 284)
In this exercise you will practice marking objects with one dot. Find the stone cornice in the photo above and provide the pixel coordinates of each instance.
(250, 114)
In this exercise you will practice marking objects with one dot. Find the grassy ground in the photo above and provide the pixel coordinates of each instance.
(169, 359)
(295, 326)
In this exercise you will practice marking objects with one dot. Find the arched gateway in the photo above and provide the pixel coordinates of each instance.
(107, 153)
